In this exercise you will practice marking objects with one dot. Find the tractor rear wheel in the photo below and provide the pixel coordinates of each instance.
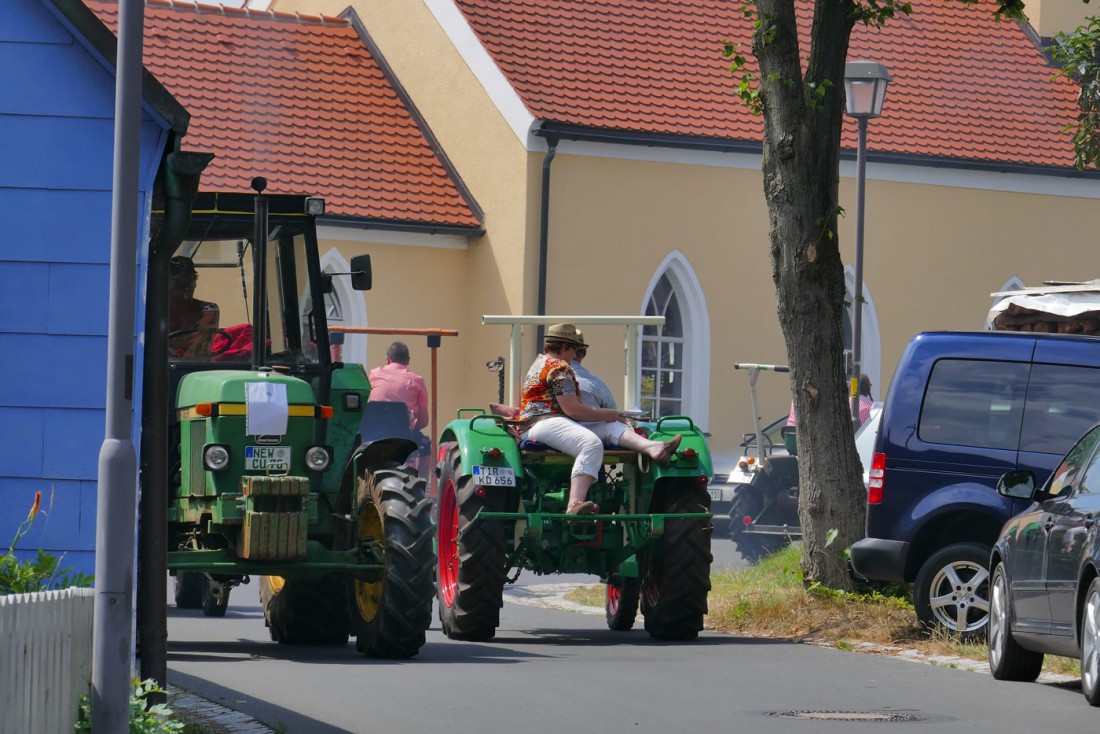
(621, 604)
(299, 612)
(675, 588)
(472, 568)
(390, 614)
(188, 590)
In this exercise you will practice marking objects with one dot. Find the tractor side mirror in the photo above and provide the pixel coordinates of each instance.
(361, 273)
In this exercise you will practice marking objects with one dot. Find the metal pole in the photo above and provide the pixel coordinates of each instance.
(433, 430)
(116, 500)
(857, 300)
(514, 366)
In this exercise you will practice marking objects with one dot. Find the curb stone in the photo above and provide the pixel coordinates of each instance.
(195, 709)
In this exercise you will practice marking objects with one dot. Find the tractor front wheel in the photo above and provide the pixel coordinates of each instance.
(621, 604)
(299, 612)
(471, 556)
(391, 611)
(675, 588)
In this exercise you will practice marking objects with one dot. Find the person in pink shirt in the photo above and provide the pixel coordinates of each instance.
(395, 382)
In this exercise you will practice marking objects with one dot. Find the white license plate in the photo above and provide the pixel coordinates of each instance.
(715, 494)
(267, 458)
(495, 476)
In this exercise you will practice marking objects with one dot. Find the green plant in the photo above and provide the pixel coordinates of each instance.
(145, 717)
(40, 574)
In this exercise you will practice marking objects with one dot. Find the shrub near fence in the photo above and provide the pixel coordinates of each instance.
(45, 659)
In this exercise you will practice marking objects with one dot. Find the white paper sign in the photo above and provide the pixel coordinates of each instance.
(266, 408)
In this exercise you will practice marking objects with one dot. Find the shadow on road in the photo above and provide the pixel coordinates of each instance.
(606, 638)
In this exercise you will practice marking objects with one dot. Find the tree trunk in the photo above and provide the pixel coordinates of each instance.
(801, 172)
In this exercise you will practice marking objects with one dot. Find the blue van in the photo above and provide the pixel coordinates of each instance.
(963, 409)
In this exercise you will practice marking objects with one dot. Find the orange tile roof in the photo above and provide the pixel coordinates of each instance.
(965, 86)
(300, 100)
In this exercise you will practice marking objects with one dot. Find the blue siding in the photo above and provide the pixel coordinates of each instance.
(54, 372)
(63, 225)
(56, 143)
(21, 444)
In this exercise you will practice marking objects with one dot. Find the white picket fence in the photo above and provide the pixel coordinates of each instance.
(45, 659)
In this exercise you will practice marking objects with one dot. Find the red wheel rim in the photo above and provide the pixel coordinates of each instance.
(448, 542)
(614, 597)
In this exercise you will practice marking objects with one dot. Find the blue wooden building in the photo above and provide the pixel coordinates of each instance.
(56, 142)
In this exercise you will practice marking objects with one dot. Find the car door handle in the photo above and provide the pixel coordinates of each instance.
(1089, 521)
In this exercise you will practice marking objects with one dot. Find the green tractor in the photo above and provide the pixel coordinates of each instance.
(269, 476)
(502, 510)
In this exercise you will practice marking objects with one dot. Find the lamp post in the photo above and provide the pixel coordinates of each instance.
(865, 85)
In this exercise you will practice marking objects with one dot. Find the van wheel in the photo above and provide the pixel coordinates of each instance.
(952, 590)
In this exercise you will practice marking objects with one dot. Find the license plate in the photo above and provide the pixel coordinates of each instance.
(715, 494)
(267, 458)
(495, 476)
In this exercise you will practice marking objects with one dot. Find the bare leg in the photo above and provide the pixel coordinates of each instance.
(660, 451)
(578, 490)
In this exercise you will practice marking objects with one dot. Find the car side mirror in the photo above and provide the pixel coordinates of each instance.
(361, 273)
(1018, 484)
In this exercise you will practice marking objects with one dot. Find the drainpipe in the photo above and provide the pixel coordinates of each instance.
(544, 233)
(180, 183)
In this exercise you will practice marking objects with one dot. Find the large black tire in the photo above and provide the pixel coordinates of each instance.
(299, 612)
(952, 591)
(215, 597)
(1007, 659)
(621, 603)
(675, 587)
(389, 615)
(1089, 629)
(188, 589)
(472, 557)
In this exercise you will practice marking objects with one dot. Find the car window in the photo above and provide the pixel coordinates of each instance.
(1090, 479)
(1062, 402)
(974, 403)
(1062, 480)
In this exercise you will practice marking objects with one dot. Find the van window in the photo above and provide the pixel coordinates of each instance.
(974, 403)
(1062, 402)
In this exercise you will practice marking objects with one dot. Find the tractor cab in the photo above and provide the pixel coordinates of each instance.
(233, 303)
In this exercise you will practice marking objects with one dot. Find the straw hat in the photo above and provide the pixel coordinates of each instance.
(566, 333)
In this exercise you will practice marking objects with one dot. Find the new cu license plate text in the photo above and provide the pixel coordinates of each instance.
(267, 458)
(495, 476)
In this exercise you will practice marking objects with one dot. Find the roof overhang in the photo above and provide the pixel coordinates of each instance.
(83, 23)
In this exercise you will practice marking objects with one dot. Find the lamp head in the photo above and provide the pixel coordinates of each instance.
(865, 85)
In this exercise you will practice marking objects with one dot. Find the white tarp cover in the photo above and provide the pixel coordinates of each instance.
(1060, 300)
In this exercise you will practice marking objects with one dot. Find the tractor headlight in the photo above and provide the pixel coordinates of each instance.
(215, 456)
(317, 458)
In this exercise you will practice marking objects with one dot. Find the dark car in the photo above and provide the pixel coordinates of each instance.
(1045, 594)
(963, 409)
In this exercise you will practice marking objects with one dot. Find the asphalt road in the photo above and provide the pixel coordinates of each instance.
(550, 670)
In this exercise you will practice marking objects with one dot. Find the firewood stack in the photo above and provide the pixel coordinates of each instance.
(1018, 318)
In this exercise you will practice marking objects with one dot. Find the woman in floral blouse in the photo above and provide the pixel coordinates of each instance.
(554, 415)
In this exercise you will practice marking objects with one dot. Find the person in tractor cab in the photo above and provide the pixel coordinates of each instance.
(551, 413)
(594, 391)
(192, 323)
(395, 382)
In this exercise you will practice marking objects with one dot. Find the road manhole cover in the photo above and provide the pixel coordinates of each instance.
(849, 715)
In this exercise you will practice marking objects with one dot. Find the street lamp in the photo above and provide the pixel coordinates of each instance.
(865, 85)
